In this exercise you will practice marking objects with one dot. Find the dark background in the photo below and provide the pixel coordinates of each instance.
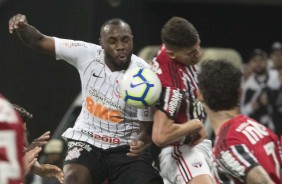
(47, 87)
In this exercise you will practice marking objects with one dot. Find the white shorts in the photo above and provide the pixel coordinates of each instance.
(179, 164)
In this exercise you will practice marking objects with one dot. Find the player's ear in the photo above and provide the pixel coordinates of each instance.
(200, 95)
(170, 54)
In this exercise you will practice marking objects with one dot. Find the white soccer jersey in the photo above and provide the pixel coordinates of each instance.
(105, 120)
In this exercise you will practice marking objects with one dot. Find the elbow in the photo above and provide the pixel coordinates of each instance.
(159, 140)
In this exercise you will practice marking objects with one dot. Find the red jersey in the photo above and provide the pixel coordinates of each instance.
(242, 144)
(11, 145)
(179, 85)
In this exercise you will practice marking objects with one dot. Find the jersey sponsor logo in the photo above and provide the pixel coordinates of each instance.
(198, 109)
(99, 110)
(74, 44)
(83, 145)
(174, 102)
(253, 131)
(73, 153)
(197, 163)
(103, 138)
(95, 75)
(93, 92)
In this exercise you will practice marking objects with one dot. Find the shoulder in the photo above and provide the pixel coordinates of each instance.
(75, 44)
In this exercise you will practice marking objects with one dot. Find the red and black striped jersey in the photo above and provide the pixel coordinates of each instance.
(179, 84)
(242, 144)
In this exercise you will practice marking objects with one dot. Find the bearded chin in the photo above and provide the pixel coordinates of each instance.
(116, 64)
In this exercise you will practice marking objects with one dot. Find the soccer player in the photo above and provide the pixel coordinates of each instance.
(43, 170)
(107, 130)
(185, 155)
(11, 145)
(245, 151)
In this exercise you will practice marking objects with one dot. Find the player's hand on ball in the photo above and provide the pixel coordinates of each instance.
(136, 148)
(18, 23)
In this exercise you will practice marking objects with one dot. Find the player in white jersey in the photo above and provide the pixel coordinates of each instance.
(106, 129)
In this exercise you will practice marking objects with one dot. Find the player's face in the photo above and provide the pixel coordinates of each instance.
(189, 56)
(117, 42)
(258, 64)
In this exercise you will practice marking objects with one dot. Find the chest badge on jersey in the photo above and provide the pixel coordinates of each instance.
(116, 89)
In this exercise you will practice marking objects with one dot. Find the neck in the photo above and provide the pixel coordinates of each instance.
(218, 118)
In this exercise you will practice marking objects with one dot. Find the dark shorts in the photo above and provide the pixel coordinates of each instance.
(113, 163)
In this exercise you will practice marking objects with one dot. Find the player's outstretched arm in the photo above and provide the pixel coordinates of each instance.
(48, 170)
(30, 158)
(165, 131)
(40, 141)
(30, 36)
(258, 175)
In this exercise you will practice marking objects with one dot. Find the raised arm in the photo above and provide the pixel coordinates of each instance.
(30, 36)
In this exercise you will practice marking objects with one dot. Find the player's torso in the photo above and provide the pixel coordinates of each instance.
(105, 119)
(183, 78)
(262, 143)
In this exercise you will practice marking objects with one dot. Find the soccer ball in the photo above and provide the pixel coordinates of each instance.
(140, 87)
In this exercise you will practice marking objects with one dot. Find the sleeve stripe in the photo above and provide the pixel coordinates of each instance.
(239, 156)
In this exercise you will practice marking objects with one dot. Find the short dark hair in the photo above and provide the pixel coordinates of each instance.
(179, 33)
(258, 52)
(220, 83)
(113, 21)
(25, 115)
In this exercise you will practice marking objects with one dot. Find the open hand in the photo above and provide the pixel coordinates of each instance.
(47, 170)
(40, 141)
(30, 158)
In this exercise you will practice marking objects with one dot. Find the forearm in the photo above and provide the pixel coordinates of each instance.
(177, 131)
(37, 168)
(30, 36)
(165, 131)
